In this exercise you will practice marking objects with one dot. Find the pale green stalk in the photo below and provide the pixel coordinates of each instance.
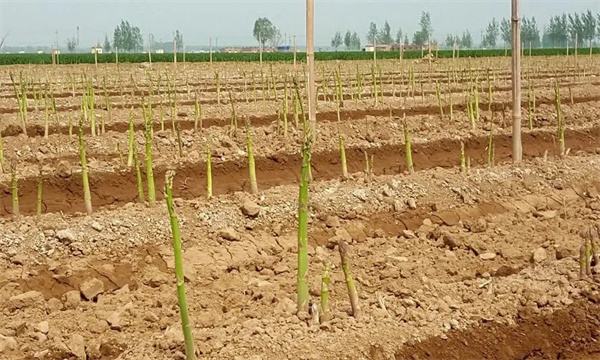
(87, 197)
(149, 171)
(181, 297)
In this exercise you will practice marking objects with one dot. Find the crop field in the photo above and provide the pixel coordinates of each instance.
(454, 252)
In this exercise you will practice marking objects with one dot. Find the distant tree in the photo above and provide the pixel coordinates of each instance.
(355, 41)
(505, 32)
(597, 22)
(491, 34)
(406, 41)
(557, 32)
(276, 39)
(127, 37)
(399, 36)
(71, 44)
(426, 30)
(106, 46)
(337, 40)
(450, 40)
(466, 41)
(385, 35)
(372, 34)
(178, 38)
(264, 30)
(530, 34)
(575, 27)
(348, 40)
(589, 26)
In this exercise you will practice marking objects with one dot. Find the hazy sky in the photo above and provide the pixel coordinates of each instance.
(35, 22)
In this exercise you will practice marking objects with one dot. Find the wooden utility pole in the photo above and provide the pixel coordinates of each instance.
(310, 61)
(516, 83)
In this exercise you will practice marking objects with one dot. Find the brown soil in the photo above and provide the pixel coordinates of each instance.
(119, 188)
(480, 263)
(570, 333)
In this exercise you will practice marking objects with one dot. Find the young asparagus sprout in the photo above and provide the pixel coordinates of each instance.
(352, 293)
(208, 170)
(138, 174)
(233, 123)
(491, 144)
(285, 108)
(181, 297)
(408, 147)
(47, 113)
(439, 98)
(87, 196)
(251, 166)
(302, 279)
(343, 156)
(14, 181)
(325, 314)
(149, 171)
(197, 114)
(131, 140)
(476, 97)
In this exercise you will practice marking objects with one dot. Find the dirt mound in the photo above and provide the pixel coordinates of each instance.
(570, 333)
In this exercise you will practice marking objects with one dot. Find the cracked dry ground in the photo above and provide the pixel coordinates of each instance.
(448, 265)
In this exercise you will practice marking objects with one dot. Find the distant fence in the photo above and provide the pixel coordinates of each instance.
(86, 58)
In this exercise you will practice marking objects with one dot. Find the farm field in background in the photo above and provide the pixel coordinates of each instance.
(448, 249)
(88, 58)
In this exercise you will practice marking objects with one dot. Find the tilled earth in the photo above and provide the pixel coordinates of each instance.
(472, 264)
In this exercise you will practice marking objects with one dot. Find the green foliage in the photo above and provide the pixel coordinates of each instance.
(178, 38)
(505, 32)
(71, 44)
(263, 31)
(399, 36)
(491, 34)
(426, 30)
(127, 38)
(450, 40)
(336, 41)
(106, 47)
(557, 32)
(385, 35)
(88, 58)
(466, 42)
(530, 34)
(352, 41)
(372, 33)
(355, 41)
(348, 39)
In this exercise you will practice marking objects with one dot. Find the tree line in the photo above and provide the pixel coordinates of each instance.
(561, 31)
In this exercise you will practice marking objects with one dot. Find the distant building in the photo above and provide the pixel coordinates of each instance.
(371, 47)
(96, 49)
(160, 51)
(397, 47)
(248, 49)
